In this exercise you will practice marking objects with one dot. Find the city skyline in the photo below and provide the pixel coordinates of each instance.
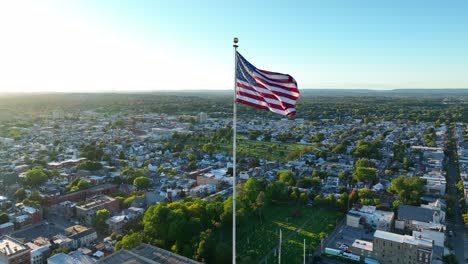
(91, 46)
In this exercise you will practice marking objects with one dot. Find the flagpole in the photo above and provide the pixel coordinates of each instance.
(234, 150)
(280, 242)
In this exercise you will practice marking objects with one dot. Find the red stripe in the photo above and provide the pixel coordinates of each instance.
(289, 89)
(289, 80)
(284, 94)
(280, 105)
(261, 106)
(271, 96)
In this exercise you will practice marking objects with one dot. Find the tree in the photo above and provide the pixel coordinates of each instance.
(35, 177)
(20, 194)
(306, 182)
(364, 174)
(99, 220)
(365, 193)
(259, 205)
(82, 185)
(353, 196)
(408, 189)
(449, 259)
(142, 182)
(252, 189)
(287, 177)
(209, 148)
(129, 241)
(363, 162)
(4, 218)
(192, 165)
(89, 165)
(276, 192)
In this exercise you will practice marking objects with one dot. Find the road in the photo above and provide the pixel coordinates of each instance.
(457, 225)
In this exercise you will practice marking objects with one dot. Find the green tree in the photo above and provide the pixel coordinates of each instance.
(287, 177)
(142, 182)
(4, 218)
(35, 177)
(129, 241)
(192, 166)
(89, 165)
(305, 182)
(99, 220)
(363, 162)
(209, 148)
(449, 259)
(82, 185)
(364, 174)
(252, 189)
(408, 189)
(259, 205)
(20, 194)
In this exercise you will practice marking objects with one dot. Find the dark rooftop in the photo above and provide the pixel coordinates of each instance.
(146, 254)
(409, 212)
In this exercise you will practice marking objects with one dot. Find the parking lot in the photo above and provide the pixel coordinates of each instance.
(47, 228)
(347, 235)
(43, 230)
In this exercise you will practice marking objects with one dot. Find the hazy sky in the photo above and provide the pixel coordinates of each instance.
(168, 45)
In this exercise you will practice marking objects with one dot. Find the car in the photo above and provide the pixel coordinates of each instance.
(344, 247)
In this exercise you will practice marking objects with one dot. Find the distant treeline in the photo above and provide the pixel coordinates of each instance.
(413, 105)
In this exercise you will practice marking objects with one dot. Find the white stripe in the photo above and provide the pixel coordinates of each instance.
(266, 91)
(272, 88)
(289, 85)
(279, 76)
(274, 110)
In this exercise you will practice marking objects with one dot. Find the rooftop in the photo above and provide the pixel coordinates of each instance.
(366, 245)
(10, 246)
(146, 254)
(409, 212)
(403, 238)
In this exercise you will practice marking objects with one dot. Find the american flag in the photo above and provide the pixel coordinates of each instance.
(266, 90)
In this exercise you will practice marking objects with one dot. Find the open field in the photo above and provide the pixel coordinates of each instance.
(274, 151)
(256, 240)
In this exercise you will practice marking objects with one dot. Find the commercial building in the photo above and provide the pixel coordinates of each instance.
(370, 217)
(391, 248)
(80, 235)
(86, 211)
(418, 218)
(13, 251)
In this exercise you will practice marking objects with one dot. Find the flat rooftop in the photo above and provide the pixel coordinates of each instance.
(403, 238)
(362, 244)
(10, 246)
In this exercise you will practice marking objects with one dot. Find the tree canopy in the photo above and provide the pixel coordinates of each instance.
(35, 177)
(408, 189)
(142, 182)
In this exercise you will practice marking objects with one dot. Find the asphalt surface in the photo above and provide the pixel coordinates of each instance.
(456, 225)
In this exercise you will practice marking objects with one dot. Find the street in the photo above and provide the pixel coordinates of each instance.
(456, 225)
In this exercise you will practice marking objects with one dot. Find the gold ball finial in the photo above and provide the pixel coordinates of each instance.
(236, 40)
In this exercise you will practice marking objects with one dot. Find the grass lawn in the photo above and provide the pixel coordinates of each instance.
(258, 149)
(255, 240)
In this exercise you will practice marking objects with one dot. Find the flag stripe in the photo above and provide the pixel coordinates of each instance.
(258, 104)
(267, 93)
(266, 90)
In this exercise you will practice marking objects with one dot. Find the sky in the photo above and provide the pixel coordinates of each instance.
(86, 45)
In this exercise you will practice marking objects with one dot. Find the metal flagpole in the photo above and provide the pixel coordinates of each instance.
(234, 150)
(281, 241)
(304, 251)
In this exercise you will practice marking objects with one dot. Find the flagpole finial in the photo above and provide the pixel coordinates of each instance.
(236, 40)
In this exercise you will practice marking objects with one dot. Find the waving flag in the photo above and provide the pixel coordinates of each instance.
(266, 90)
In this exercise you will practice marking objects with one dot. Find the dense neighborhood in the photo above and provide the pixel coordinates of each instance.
(76, 187)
